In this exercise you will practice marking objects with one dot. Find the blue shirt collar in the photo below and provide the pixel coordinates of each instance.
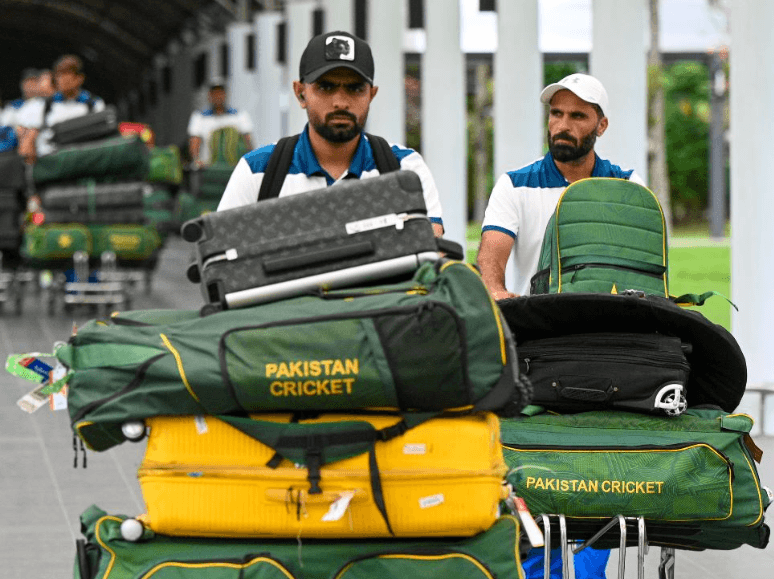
(311, 166)
(83, 97)
(555, 173)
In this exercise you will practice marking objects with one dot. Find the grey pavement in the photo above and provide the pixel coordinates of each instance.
(42, 495)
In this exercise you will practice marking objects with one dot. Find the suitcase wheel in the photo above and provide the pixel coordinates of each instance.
(193, 274)
(210, 309)
(192, 231)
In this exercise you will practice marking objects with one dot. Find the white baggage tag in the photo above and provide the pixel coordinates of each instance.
(201, 424)
(391, 220)
(339, 507)
(33, 400)
(58, 400)
(431, 501)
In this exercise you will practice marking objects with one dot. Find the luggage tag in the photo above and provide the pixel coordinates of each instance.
(52, 379)
(339, 506)
(517, 506)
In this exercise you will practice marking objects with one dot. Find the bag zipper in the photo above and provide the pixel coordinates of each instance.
(577, 267)
(627, 357)
(234, 563)
(439, 554)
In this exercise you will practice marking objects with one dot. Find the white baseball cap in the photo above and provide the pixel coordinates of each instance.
(585, 87)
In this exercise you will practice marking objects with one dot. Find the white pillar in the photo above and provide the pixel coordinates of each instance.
(242, 85)
(444, 113)
(299, 23)
(619, 60)
(387, 117)
(339, 15)
(518, 81)
(752, 198)
(181, 94)
(272, 82)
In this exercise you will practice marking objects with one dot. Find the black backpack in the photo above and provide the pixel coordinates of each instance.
(282, 156)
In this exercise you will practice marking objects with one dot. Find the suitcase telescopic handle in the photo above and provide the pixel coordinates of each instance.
(452, 249)
(311, 258)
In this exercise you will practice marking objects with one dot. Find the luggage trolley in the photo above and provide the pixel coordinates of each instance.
(570, 544)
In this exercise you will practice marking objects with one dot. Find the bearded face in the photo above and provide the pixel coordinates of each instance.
(566, 148)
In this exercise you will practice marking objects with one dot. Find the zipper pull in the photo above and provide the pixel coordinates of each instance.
(526, 363)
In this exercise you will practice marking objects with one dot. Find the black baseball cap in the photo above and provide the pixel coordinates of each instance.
(336, 50)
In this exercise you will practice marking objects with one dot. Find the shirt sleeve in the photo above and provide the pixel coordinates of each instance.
(242, 188)
(194, 125)
(31, 114)
(502, 211)
(415, 162)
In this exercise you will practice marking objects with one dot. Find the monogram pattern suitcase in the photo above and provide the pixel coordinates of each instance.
(88, 127)
(202, 477)
(354, 232)
(12, 171)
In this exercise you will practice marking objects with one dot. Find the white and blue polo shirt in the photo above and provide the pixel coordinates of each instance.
(306, 174)
(9, 116)
(522, 202)
(203, 123)
(62, 109)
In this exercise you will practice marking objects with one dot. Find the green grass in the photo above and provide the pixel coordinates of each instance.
(695, 266)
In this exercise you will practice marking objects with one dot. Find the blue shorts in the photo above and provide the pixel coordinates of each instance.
(589, 563)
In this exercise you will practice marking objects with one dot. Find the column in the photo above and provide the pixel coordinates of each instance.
(387, 117)
(518, 81)
(752, 200)
(619, 60)
(444, 134)
(273, 86)
(242, 82)
(299, 32)
(340, 15)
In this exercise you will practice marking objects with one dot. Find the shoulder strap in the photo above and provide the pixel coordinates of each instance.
(47, 109)
(277, 168)
(385, 159)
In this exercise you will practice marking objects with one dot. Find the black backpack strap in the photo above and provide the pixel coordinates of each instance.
(46, 109)
(385, 159)
(277, 168)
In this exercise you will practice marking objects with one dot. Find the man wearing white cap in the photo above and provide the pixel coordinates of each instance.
(522, 201)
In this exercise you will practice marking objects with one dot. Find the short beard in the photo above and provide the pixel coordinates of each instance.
(334, 134)
(565, 152)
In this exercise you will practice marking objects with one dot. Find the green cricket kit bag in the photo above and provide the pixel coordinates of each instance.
(432, 343)
(606, 235)
(104, 553)
(692, 477)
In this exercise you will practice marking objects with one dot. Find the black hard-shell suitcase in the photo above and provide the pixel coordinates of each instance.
(12, 171)
(10, 214)
(627, 371)
(355, 232)
(88, 127)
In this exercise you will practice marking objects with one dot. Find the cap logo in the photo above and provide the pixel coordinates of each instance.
(339, 48)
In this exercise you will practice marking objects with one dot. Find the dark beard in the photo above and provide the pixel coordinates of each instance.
(564, 152)
(334, 134)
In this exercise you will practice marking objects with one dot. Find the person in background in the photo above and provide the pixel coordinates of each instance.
(217, 117)
(69, 101)
(522, 201)
(29, 87)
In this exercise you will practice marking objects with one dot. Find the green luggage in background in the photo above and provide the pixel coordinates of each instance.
(52, 241)
(159, 207)
(104, 554)
(165, 165)
(129, 242)
(212, 182)
(692, 477)
(117, 158)
(605, 236)
(227, 146)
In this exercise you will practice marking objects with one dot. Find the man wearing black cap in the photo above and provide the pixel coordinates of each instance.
(336, 88)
